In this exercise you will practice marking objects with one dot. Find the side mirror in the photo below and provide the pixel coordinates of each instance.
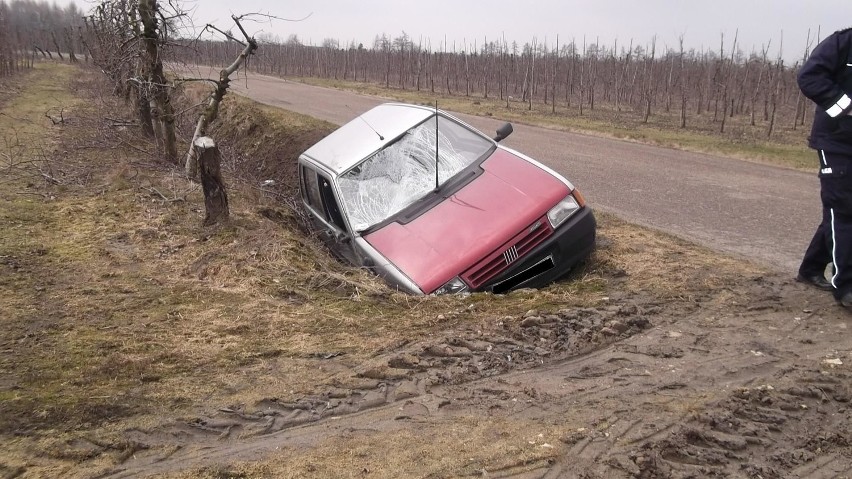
(503, 132)
(341, 237)
(335, 235)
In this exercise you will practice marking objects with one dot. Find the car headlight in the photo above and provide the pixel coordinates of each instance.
(562, 211)
(455, 285)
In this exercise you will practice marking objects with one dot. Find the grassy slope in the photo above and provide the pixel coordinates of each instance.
(118, 310)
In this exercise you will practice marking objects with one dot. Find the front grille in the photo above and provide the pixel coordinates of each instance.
(541, 267)
(510, 252)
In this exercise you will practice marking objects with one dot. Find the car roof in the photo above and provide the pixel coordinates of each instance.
(366, 134)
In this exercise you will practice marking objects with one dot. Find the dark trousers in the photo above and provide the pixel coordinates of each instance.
(818, 254)
(832, 242)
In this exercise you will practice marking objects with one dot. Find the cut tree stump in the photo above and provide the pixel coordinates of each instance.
(215, 196)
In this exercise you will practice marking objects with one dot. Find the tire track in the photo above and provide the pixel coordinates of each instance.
(776, 414)
(410, 383)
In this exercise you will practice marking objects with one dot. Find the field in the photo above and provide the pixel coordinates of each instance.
(136, 342)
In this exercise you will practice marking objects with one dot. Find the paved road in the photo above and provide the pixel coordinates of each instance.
(761, 212)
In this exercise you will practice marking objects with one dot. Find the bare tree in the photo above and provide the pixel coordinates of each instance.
(163, 113)
(212, 108)
(683, 85)
(726, 79)
(8, 59)
(112, 38)
(622, 77)
(776, 88)
(585, 68)
(800, 104)
(593, 73)
(553, 75)
(650, 85)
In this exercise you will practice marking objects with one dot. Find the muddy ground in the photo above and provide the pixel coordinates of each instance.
(634, 389)
(137, 343)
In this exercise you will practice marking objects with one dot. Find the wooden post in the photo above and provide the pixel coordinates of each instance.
(215, 196)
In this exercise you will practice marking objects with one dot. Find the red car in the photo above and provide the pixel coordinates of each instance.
(435, 206)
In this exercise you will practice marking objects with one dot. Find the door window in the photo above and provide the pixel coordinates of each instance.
(318, 193)
(310, 189)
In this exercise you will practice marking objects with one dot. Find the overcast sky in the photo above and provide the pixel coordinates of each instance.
(701, 22)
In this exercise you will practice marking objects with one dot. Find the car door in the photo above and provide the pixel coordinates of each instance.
(324, 208)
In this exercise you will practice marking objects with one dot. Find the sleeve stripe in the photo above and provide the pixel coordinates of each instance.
(842, 104)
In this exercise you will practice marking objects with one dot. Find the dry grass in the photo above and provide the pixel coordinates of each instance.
(119, 310)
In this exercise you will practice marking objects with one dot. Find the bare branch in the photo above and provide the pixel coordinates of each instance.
(212, 110)
(53, 119)
(226, 34)
(240, 26)
(248, 16)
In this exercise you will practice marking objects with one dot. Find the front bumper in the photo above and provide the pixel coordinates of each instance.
(571, 243)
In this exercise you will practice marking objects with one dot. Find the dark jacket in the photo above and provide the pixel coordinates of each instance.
(826, 78)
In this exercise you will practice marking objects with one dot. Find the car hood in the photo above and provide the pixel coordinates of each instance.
(454, 235)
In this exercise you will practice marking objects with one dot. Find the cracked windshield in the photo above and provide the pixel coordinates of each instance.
(404, 171)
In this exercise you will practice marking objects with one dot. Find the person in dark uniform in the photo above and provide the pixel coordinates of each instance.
(826, 78)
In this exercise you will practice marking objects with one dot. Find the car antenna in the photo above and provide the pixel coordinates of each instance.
(369, 125)
(437, 181)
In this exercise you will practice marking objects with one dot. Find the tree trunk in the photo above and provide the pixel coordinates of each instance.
(215, 196)
(165, 111)
(69, 38)
(56, 45)
(727, 74)
(553, 77)
(137, 86)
